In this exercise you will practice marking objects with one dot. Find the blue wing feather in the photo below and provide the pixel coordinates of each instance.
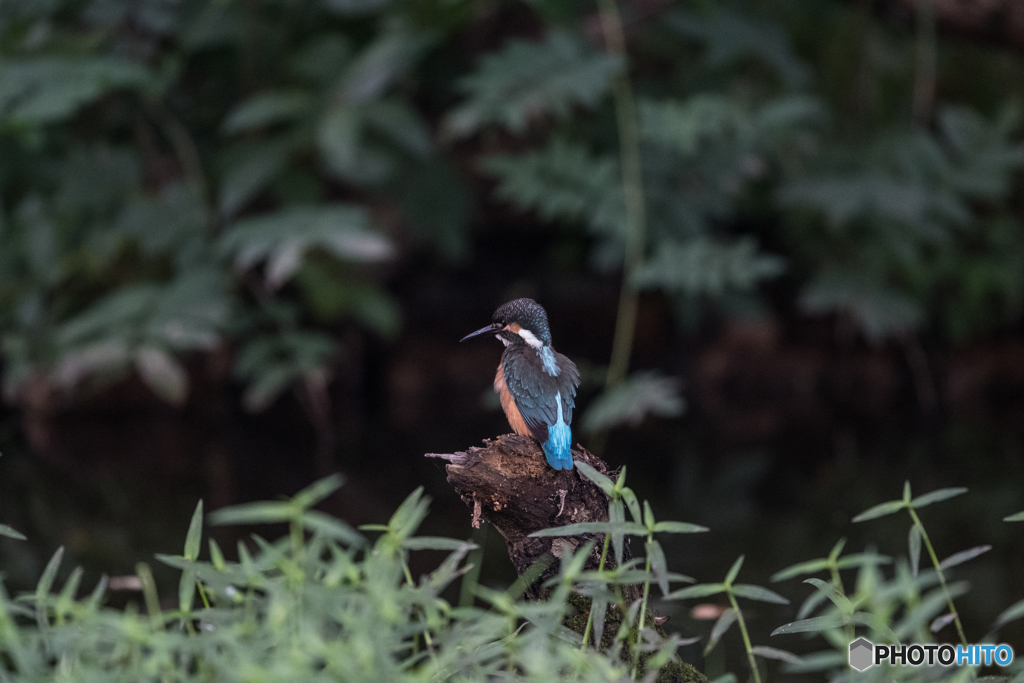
(546, 402)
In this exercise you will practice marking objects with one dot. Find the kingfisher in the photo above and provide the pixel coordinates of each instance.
(536, 384)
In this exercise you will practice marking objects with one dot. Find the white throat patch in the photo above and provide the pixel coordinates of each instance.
(530, 338)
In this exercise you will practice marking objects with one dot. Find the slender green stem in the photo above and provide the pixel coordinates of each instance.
(942, 576)
(633, 193)
(746, 637)
(643, 613)
(590, 616)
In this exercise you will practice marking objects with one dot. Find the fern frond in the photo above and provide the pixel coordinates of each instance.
(528, 80)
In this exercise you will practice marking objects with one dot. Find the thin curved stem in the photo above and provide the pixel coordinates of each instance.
(633, 194)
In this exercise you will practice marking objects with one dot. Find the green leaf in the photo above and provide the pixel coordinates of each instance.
(812, 625)
(1011, 613)
(216, 556)
(267, 108)
(1018, 517)
(679, 528)
(963, 556)
(632, 503)
(773, 653)
(880, 510)
(659, 565)
(702, 590)
(249, 171)
(833, 594)
(809, 567)
(43, 589)
(318, 491)
(722, 625)
(321, 522)
(565, 182)
(49, 89)
(627, 528)
(751, 592)
(733, 571)
(593, 475)
(639, 396)
(525, 81)
(263, 512)
(10, 533)
(281, 239)
(432, 543)
(936, 496)
(706, 266)
(195, 533)
(914, 543)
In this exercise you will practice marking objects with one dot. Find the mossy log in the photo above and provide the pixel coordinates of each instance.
(510, 485)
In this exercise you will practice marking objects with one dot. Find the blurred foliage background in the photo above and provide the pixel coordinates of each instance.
(239, 240)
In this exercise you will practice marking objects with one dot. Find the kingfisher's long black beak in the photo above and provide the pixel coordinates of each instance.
(482, 330)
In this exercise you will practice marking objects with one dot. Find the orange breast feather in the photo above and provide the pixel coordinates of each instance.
(508, 404)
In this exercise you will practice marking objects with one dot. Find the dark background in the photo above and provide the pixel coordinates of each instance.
(798, 414)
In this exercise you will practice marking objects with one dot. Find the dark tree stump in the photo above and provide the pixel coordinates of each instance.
(510, 485)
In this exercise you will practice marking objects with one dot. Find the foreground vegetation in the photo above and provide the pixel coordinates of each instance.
(326, 603)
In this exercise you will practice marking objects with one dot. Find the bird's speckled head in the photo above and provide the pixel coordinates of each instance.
(526, 314)
(522, 321)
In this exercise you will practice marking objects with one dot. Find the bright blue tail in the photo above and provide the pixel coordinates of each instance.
(558, 447)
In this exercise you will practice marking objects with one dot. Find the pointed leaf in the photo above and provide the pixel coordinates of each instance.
(936, 496)
(658, 564)
(774, 653)
(318, 490)
(833, 594)
(432, 543)
(195, 533)
(599, 608)
(733, 571)
(718, 630)
(906, 491)
(745, 590)
(1019, 517)
(603, 482)
(10, 533)
(627, 528)
(809, 567)
(332, 527)
(812, 625)
(940, 623)
(702, 590)
(263, 512)
(617, 516)
(963, 556)
(632, 504)
(679, 528)
(837, 549)
(44, 586)
(1011, 613)
(880, 510)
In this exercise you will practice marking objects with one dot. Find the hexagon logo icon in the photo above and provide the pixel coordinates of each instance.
(862, 654)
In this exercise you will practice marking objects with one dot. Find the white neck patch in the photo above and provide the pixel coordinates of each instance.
(530, 338)
(504, 341)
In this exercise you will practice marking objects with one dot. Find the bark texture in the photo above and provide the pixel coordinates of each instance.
(509, 484)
